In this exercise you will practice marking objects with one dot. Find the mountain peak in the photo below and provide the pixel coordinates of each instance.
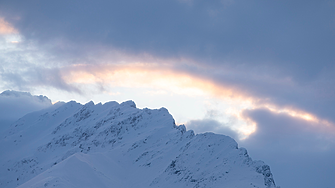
(90, 103)
(121, 145)
(129, 103)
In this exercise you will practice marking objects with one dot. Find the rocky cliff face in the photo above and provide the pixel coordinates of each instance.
(118, 145)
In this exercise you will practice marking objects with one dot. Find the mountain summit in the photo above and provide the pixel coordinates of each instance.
(119, 145)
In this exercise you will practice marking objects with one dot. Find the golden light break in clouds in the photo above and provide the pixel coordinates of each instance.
(139, 75)
(6, 28)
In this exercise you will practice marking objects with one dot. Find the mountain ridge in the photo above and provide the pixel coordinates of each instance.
(146, 145)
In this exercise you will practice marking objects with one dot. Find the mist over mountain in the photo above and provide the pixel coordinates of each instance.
(15, 104)
(119, 145)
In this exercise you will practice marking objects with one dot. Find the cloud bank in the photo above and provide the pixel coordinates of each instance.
(16, 104)
(301, 149)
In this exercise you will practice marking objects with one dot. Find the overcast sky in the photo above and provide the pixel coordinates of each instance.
(262, 72)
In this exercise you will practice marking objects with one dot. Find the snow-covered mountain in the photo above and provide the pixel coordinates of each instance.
(119, 145)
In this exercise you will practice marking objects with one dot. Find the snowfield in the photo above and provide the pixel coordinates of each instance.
(119, 145)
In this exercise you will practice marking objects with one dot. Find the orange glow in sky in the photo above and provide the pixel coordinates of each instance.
(6, 28)
(164, 79)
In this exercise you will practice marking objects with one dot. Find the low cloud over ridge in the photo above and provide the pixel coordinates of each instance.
(16, 104)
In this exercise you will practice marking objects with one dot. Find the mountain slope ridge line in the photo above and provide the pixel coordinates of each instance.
(119, 145)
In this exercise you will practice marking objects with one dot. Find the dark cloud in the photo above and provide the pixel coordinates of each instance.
(14, 104)
(299, 152)
(298, 35)
(291, 133)
(269, 86)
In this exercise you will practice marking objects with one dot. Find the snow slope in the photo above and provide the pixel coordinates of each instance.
(119, 145)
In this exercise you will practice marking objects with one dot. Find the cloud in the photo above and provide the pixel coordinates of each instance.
(210, 125)
(6, 28)
(25, 66)
(289, 133)
(32, 77)
(16, 104)
(245, 32)
(298, 151)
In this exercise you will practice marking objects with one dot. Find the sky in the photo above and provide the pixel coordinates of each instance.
(262, 72)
